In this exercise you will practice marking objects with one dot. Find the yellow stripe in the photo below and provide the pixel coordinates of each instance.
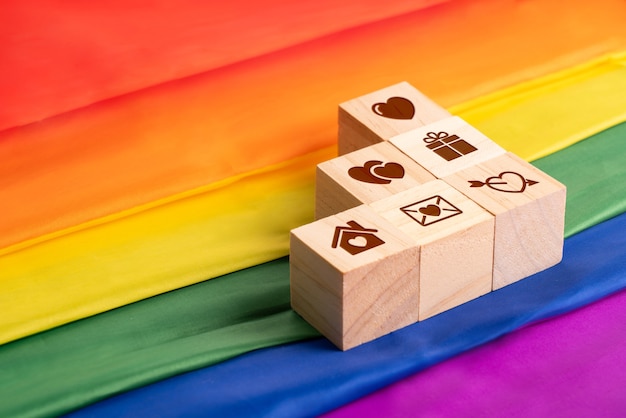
(245, 220)
(541, 116)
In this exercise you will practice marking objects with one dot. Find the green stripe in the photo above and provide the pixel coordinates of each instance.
(594, 172)
(73, 365)
(200, 325)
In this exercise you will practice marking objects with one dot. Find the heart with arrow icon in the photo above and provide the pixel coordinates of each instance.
(506, 181)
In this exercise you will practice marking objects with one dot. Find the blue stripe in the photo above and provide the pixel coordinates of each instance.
(308, 378)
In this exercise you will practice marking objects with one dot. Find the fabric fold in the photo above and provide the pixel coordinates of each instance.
(317, 377)
(566, 107)
(180, 330)
(176, 157)
(88, 54)
(174, 137)
(193, 327)
(208, 233)
(540, 363)
(214, 230)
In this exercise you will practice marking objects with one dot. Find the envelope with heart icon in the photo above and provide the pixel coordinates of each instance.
(431, 210)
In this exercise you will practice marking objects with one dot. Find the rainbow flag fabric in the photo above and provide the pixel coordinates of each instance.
(155, 156)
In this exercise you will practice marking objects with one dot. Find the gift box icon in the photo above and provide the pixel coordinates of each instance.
(448, 147)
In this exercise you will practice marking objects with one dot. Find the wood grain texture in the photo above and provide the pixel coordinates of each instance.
(354, 298)
(364, 176)
(374, 118)
(469, 147)
(529, 207)
(455, 236)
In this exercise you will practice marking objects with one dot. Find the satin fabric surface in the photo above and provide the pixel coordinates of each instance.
(148, 148)
(560, 383)
(309, 378)
(233, 224)
(207, 323)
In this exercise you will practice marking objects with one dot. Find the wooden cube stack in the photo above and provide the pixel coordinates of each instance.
(420, 213)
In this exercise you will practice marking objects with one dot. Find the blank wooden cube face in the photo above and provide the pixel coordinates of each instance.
(529, 207)
(354, 276)
(455, 236)
(364, 176)
(447, 146)
(385, 113)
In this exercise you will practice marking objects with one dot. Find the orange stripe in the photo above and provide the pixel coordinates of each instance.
(149, 145)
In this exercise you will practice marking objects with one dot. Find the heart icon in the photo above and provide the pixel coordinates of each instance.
(390, 171)
(506, 181)
(430, 210)
(376, 172)
(365, 175)
(395, 108)
(358, 241)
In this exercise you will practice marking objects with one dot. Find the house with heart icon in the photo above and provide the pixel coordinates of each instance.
(355, 239)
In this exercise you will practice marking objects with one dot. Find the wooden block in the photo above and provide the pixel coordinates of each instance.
(354, 276)
(364, 176)
(447, 146)
(378, 116)
(529, 207)
(455, 237)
